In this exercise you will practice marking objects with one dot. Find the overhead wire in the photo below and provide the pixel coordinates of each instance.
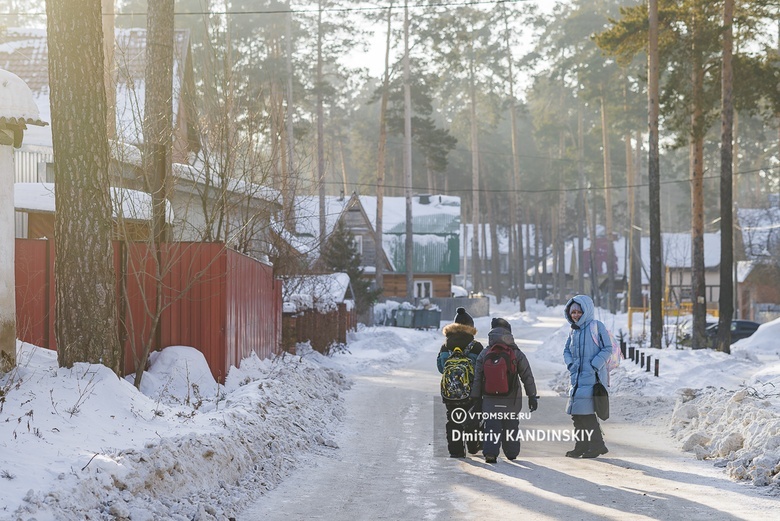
(301, 10)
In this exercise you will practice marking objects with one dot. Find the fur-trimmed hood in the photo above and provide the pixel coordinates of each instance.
(455, 328)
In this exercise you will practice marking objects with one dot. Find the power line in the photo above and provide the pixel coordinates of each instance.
(556, 190)
(302, 11)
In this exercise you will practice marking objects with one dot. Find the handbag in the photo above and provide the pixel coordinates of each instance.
(600, 399)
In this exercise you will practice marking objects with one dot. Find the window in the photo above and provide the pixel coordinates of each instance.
(423, 289)
(359, 244)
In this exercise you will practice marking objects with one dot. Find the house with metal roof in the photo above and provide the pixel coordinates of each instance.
(435, 229)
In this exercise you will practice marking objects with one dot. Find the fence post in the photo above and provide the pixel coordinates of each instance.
(656, 366)
(623, 348)
(648, 363)
(643, 361)
(631, 350)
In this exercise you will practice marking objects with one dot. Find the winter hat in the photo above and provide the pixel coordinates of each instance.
(461, 317)
(500, 322)
(500, 335)
(575, 305)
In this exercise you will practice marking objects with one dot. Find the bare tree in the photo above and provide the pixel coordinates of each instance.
(85, 285)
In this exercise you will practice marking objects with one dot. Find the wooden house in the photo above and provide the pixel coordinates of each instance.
(436, 235)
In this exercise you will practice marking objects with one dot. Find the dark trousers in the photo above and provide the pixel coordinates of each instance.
(501, 434)
(588, 422)
(456, 427)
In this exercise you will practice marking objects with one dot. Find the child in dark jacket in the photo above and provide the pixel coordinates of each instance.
(500, 431)
(460, 334)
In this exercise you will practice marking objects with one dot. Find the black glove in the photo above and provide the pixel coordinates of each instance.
(533, 403)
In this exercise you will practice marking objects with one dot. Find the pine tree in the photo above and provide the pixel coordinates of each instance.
(340, 255)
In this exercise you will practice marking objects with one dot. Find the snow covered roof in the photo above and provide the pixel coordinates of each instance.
(17, 105)
(321, 292)
(197, 174)
(129, 204)
(393, 210)
(431, 214)
(24, 52)
(675, 253)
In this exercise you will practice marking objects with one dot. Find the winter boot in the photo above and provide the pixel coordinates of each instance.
(580, 447)
(596, 446)
(595, 451)
(491, 459)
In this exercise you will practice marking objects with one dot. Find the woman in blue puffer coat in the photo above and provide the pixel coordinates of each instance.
(585, 358)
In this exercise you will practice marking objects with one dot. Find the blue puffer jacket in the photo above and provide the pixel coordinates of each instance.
(584, 357)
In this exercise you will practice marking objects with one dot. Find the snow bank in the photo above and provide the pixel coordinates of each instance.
(81, 443)
(738, 430)
(374, 350)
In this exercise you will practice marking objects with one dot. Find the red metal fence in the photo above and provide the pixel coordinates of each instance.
(223, 303)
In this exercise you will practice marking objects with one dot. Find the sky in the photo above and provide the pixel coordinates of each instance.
(373, 58)
(80, 443)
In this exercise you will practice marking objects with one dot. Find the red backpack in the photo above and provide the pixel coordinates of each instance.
(499, 370)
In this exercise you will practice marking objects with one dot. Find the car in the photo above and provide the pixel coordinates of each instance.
(739, 329)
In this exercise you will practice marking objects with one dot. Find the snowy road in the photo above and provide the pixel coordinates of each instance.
(386, 467)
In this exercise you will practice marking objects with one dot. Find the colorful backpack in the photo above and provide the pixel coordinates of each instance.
(617, 355)
(499, 370)
(457, 377)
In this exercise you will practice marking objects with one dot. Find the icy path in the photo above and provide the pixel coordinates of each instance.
(386, 469)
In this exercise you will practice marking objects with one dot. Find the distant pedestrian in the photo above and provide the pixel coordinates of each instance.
(456, 361)
(500, 369)
(586, 361)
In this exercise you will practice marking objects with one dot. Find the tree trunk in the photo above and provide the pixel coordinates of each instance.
(320, 127)
(287, 193)
(654, 180)
(409, 250)
(608, 209)
(495, 264)
(85, 284)
(726, 303)
(517, 266)
(476, 265)
(381, 160)
(698, 287)
(580, 201)
(635, 267)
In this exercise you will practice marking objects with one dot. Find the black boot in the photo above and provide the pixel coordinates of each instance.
(596, 446)
(579, 449)
(581, 445)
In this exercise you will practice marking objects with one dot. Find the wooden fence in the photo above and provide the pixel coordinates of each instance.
(218, 301)
(322, 330)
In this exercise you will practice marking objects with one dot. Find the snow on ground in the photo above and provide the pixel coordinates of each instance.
(721, 407)
(82, 444)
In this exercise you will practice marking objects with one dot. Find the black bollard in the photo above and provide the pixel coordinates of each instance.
(623, 348)
(642, 364)
(631, 353)
(656, 366)
(648, 363)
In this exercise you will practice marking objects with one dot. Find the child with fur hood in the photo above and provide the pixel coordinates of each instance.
(459, 334)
